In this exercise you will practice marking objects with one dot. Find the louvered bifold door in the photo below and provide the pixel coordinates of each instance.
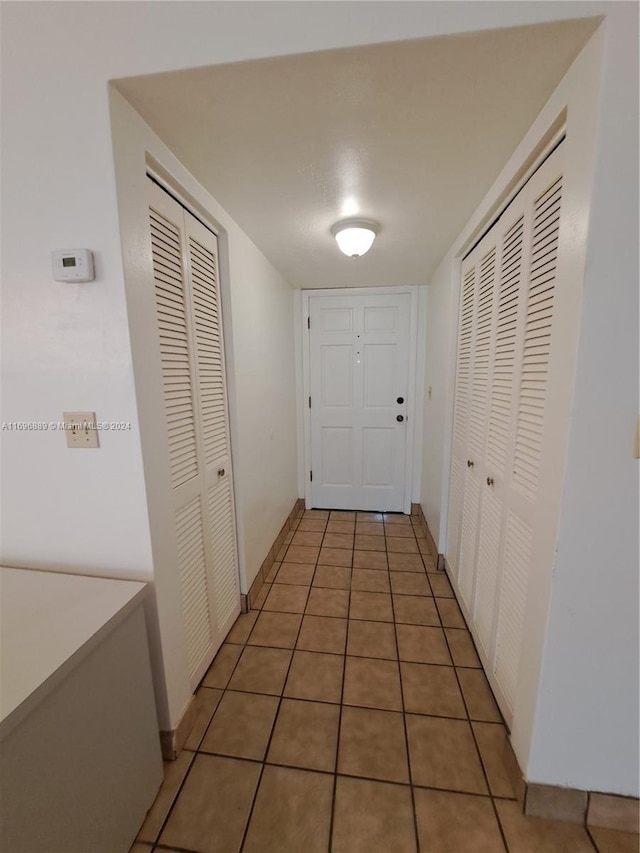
(213, 423)
(464, 363)
(181, 413)
(190, 344)
(499, 415)
(483, 262)
(529, 528)
(500, 525)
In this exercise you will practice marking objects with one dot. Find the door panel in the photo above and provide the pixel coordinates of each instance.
(213, 424)
(513, 594)
(487, 570)
(359, 367)
(223, 549)
(336, 319)
(337, 456)
(469, 537)
(337, 378)
(380, 371)
(171, 317)
(377, 457)
(501, 406)
(380, 319)
(193, 582)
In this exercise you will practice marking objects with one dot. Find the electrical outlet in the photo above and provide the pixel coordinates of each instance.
(81, 429)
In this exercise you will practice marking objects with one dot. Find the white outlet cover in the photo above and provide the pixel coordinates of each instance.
(81, 429)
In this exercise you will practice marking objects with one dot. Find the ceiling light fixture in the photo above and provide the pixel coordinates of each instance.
(355, 236)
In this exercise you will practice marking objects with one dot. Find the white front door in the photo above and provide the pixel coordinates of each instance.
(359, 377)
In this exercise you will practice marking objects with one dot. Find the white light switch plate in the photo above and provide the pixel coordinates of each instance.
(80, 429)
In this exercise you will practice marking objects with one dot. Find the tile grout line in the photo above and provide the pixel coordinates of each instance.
(404, 716)
(479, 754)
(341, 706)
(364, 707)
(346, 775)
(173, 849)
(359, 618)
(590, 837)
(176, 797)
(273, 726)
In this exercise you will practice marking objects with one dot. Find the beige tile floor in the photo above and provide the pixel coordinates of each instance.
(348, 713)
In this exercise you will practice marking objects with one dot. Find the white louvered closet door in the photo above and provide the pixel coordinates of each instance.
(192, 355)
(527, 521)
(497, 510)
(470, 419)
(479, 387)
(459, 461)
(506, 335)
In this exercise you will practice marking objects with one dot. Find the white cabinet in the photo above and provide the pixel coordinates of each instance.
(79, 748)
(500, 521)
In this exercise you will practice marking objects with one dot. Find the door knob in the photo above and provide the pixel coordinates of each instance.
(220, 472)
(400, 418)
(469, 463)
(489, 481)
(400, 400)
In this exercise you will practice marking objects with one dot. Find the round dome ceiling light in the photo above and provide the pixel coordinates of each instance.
(355, 236)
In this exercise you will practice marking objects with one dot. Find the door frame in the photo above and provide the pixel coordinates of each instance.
(416, 390)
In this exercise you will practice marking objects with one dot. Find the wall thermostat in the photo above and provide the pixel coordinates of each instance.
(73, 265)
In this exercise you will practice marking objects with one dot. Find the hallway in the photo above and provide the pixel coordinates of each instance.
(348, 712)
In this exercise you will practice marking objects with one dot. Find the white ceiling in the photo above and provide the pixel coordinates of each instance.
(411, 134)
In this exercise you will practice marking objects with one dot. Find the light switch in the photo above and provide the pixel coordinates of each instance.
(81, 429)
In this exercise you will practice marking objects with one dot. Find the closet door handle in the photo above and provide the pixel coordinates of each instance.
(220, 472)
(489, 481)
(469, 463)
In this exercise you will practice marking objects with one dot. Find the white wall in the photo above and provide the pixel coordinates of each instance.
(67, 347)
(577, 723)
(266, 448)
(586, 727)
